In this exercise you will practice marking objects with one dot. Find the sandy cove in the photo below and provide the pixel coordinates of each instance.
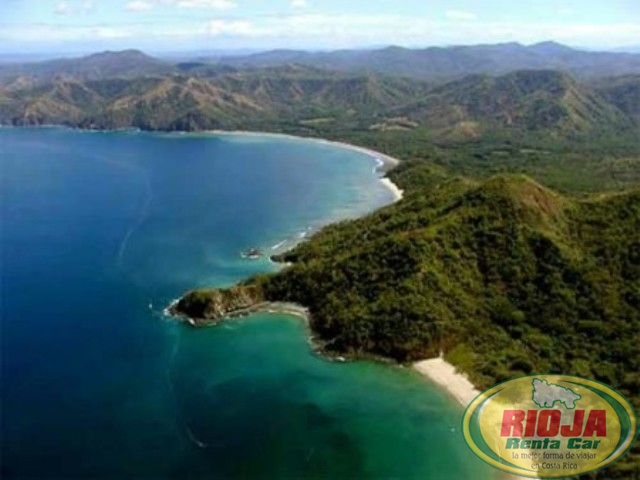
(442, 373)
(456, 384)
(397, 192)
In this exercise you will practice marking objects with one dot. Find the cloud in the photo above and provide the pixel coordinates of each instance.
(38, 33)
(138, 6)
(221, 5)
(459, 15)
(311, 31)
(67, 9)
(109, 32)
(63, 8)
(343, 31)
(565, 11)
(233, 28)
(299, 3)
(146, 5)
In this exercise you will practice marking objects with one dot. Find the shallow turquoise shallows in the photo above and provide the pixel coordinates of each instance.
(101, 230)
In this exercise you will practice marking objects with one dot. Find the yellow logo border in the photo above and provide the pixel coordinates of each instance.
(505, 466)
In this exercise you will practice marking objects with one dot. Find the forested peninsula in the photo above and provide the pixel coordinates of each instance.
(503, 275)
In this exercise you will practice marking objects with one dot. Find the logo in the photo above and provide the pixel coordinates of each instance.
(550, 426)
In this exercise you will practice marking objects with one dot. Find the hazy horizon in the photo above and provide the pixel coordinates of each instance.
(72, 27)
(16, 57)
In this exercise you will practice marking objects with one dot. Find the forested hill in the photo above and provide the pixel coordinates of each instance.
(623, 92)
(504, 275)
(296, 99)
(292, 96)
(524, 101)
(525, 268)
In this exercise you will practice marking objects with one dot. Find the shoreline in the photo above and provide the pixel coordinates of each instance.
(447, 378)
(437, 370)
(385, 162)
(398, 193)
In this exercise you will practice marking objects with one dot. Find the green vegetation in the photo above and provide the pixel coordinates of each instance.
(455, 260)
(270, 99)
(504, 275)
(214, 304)
(525, 107)
(623, 92)
(520, 103)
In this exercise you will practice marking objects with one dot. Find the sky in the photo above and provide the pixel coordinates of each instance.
(75, 26)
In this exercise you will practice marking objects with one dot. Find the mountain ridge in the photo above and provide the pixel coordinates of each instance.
(308, 99)
(107, 64)
(433, 64)
(438, 64)
(525, 100)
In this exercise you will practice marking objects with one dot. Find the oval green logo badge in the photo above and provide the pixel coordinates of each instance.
(550, 426)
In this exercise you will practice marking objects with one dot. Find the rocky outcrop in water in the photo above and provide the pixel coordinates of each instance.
(204, 307)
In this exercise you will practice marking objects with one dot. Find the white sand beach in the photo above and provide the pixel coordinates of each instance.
(397, 192)
(386, 159)
(445, 375)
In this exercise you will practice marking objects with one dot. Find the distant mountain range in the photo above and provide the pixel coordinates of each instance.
(303, 99)
(446, 63)
(247, 99)
(628, 49)
(434, 64)
(456, 93)
(121, 64)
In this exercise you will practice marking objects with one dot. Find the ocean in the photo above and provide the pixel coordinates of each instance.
(100, 231)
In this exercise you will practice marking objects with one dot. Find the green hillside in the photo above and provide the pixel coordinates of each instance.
(518, 106)
(504, 275)
(272, 98)
(521, 103)
(623, 92)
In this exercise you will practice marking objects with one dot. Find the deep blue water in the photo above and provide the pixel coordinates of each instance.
(100, 231)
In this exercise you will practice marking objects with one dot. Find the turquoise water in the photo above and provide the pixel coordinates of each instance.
(100, 231)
